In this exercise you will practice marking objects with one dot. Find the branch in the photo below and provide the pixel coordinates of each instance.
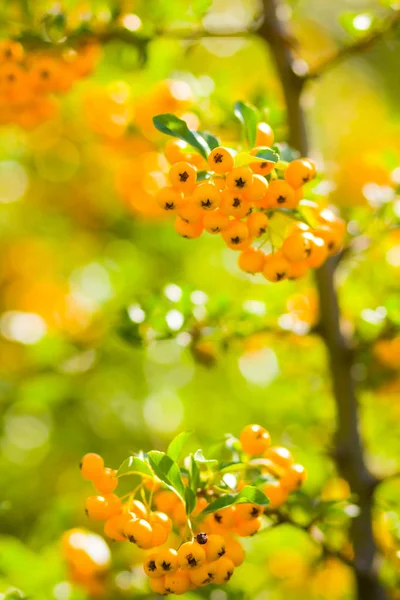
(358, 47)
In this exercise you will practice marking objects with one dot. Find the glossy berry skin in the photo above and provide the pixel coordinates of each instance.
(157, 585)
(235, 551)
(177, 582)
(112, 529)
(236, 234)
(247, 512)
(190, 212)
(319, 252)
(186, 230)
(106, 482)
(234, 205)
(261, 167)
(114, 504)
(150, 566)
(215, 222)
(239, 179)
(204, 575)
(276, 494)
(215, 547)
(248, 528)
(264, 135)
(251, 261)
(159, 536)
(254, 440)
(138, 508)
(299, 172)
(92, 466)
(257, 190)
(160, 518)
(169, 199)
(96, 508)
(296, 247)
(182, 176)
(257, 223)
(166, 501)
(294, 477)
(276, 267)
(207, 196)
(220, 160)
(139, 532)
(167, 560)
(280, 195)
(191, 555)
(224, 570)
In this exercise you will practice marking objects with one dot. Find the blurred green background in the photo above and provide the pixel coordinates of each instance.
(115, 334)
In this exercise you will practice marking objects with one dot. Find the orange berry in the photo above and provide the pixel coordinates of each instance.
(96, 508)
(257, 223)
(169, 198)
(247, 511)
(159, 535)
(138, 508)
(114, 504)
(201, 504)
(239, 179)
(236, 233)
(191, 555)
(215, 222)
(276, 267)
(294, 477)
(280, 195)
(298, 269)
(251, 261)
(221, 160)
(174, 151)
(233, 205)
(235, 551)
(160, 518)
(112, 530)
(177, 582)
(139, 532)
(328, 217)
(254, 440)
(157, 585)
(265, 135)
(45, 75)
(215, 547)
(106, 482)
(248, 528)
(207, 196)
(203, 575)
(257, 190)
(11, 51)
(319, 252)
(92, 466)
(332, 238)
(183, 176)
(150, 567)
(188, 230)
(261, 168)
(276, 493)
(224, 570)
(296, 247)
(152, 485)
(167, 560)
(224, 517)
(179, 514)
(299, 172)
(190, 212)
(165, 501)
(280, 456)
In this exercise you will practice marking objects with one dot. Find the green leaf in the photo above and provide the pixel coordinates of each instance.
(190, 500)
(135, 466)
(211, 140)
(203, 176)
(194, 474)
(172, 125)
(176, 446)
(267, 155)
(247, 494)
(168, 471)
(248, 116)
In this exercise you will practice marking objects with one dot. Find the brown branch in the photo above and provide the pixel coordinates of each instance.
(349, 444)
(365, 43)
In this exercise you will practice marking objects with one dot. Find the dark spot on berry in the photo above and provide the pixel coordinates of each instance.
(281, 199)
(206, 203)
(217, 518)
(221, 552)
(209, 579)
(218, 158)
(263, 165)
(240, 183)
(235, 240)
(8, 53)
(168, 590)
(169, 206)
(183, 176)
(331, 245)
(11, 77)
(215, 229)
(151, 565)
(87, 512)
(191, 561)
(280, 276)
(261, 230)
(165, 566)
(236, 202)
(228, 575)
(132, 539)
(255, 511)
(202, 538)
(44, 74)
(308, 251)
(306, 178)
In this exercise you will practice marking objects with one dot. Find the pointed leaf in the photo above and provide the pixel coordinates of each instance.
(190, 500)
(201, 460)
(248, 116)
(172, 125)
(211, 140)
(168, 471)
(194, 474)
(135, 466)
(176, 446)
(247, 494)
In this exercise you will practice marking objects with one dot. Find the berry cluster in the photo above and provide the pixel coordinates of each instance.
(28, 80)
(88, 559)
(237, 195)
(192, 544)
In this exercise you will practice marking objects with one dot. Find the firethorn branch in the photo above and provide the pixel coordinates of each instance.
(349, 444)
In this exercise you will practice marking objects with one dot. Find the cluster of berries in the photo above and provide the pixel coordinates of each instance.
(238, 201)
(192, 549)
(88, 559)
(28, 80)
